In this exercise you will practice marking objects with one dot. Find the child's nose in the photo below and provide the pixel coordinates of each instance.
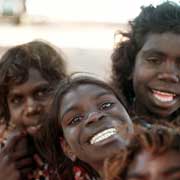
(93, 117)
(169, 77)
(169, 73)
(31, 107)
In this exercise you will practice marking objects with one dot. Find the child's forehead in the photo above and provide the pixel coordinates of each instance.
(33, 78)
(86, 91)
(87, 86)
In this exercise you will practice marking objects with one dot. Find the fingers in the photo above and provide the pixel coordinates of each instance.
(13, 169)
(26, 163)
(8, 170)
(12, 141)
(24, 148)
(38, 160)
(18, 155)
(19, 164)
(16, 158)
(11, 175)
(26, 172)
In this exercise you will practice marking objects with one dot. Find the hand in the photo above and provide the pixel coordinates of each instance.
(15, 160)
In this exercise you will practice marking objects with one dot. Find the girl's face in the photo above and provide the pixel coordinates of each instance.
(147, 166)
(156, 75)
(90, 116)
(28, 101)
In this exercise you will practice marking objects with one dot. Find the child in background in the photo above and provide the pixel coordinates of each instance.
(152, 154)
(146, 66)
(28, 76)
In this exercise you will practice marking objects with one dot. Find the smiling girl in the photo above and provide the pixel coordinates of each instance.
(83, 128)
(146, 66)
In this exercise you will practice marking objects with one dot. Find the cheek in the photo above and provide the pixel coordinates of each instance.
(15, 115)
(144, 73)
(143, 80)
(47, 103)
(139, 76)
(15, 112)
(72, 137)
(125, 125)
(17, 122)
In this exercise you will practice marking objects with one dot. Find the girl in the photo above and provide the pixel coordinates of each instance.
(83, 127)
(146, 66)
(28, 76)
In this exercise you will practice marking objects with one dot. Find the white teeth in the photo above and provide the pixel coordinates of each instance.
(164, 93)
(164, 99)
(163, 96)
(103, 135)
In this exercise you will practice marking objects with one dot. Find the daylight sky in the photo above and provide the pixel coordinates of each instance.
(89, 10)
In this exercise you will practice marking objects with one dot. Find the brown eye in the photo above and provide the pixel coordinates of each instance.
(16, 100)
(41, 93)
(154, 60)
(106, 106)
(76, 119)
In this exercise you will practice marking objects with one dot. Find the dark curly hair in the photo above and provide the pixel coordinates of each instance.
(16, 62)
(52, 130)
(158, 139)
(163, 18)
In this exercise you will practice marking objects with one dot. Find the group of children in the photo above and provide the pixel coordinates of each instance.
(78, 127)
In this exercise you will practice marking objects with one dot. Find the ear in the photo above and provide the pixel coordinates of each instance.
(67, 149)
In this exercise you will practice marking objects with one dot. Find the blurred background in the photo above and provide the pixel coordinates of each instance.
(83, 29)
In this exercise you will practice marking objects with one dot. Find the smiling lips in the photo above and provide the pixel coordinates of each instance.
(105, 134)
(164, 96)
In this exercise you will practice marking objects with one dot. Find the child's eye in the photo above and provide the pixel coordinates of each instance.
(106, 106)
(76, 119)
(154, 60)
(16, 100)
(42, 93)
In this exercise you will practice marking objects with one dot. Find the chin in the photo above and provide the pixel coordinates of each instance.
(163, 114)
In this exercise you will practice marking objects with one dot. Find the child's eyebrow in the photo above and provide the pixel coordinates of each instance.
(37, 86)
(152, 52)
(69, 109)
(104, 94)
(43, 86)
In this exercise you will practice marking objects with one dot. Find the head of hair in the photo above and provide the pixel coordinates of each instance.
(156, 139)
(16, 62)
(160, 19)
(53, 131)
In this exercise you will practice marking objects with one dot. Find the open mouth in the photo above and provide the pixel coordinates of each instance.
(103, 135)
(164, 96)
